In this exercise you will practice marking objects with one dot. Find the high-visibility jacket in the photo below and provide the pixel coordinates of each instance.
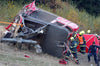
(73, 47)
(80, 39)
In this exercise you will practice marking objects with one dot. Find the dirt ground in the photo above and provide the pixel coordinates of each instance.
(10, 56)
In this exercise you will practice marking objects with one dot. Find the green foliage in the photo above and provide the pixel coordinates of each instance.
(91, 6)
(83, 19)
(9, 10)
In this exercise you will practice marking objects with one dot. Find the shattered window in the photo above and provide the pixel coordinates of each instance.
(69, 28)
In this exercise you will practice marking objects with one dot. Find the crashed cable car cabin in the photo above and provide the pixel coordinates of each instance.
(50, 29)
(58, 30)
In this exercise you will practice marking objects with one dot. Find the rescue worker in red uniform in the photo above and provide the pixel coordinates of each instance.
(92, 51)
(82, 42)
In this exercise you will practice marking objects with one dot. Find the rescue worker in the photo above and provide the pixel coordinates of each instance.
(73, 48)
(72, 51)
(92, 51)
(97, 36)
(75, 37)
(82, 42)
(88, 31)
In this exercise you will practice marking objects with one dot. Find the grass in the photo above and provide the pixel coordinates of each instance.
(8, 11)
(83, 19)
(11, 57)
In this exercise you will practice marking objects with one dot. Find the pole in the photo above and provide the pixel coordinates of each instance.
(9, 23)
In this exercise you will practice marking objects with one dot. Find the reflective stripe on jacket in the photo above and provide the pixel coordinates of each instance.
(82, 45)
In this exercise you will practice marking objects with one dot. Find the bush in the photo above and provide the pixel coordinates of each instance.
(10, 8)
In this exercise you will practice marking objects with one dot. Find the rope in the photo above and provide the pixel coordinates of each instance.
(10, 23)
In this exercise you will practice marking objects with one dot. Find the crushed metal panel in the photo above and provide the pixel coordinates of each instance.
(54, 34)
